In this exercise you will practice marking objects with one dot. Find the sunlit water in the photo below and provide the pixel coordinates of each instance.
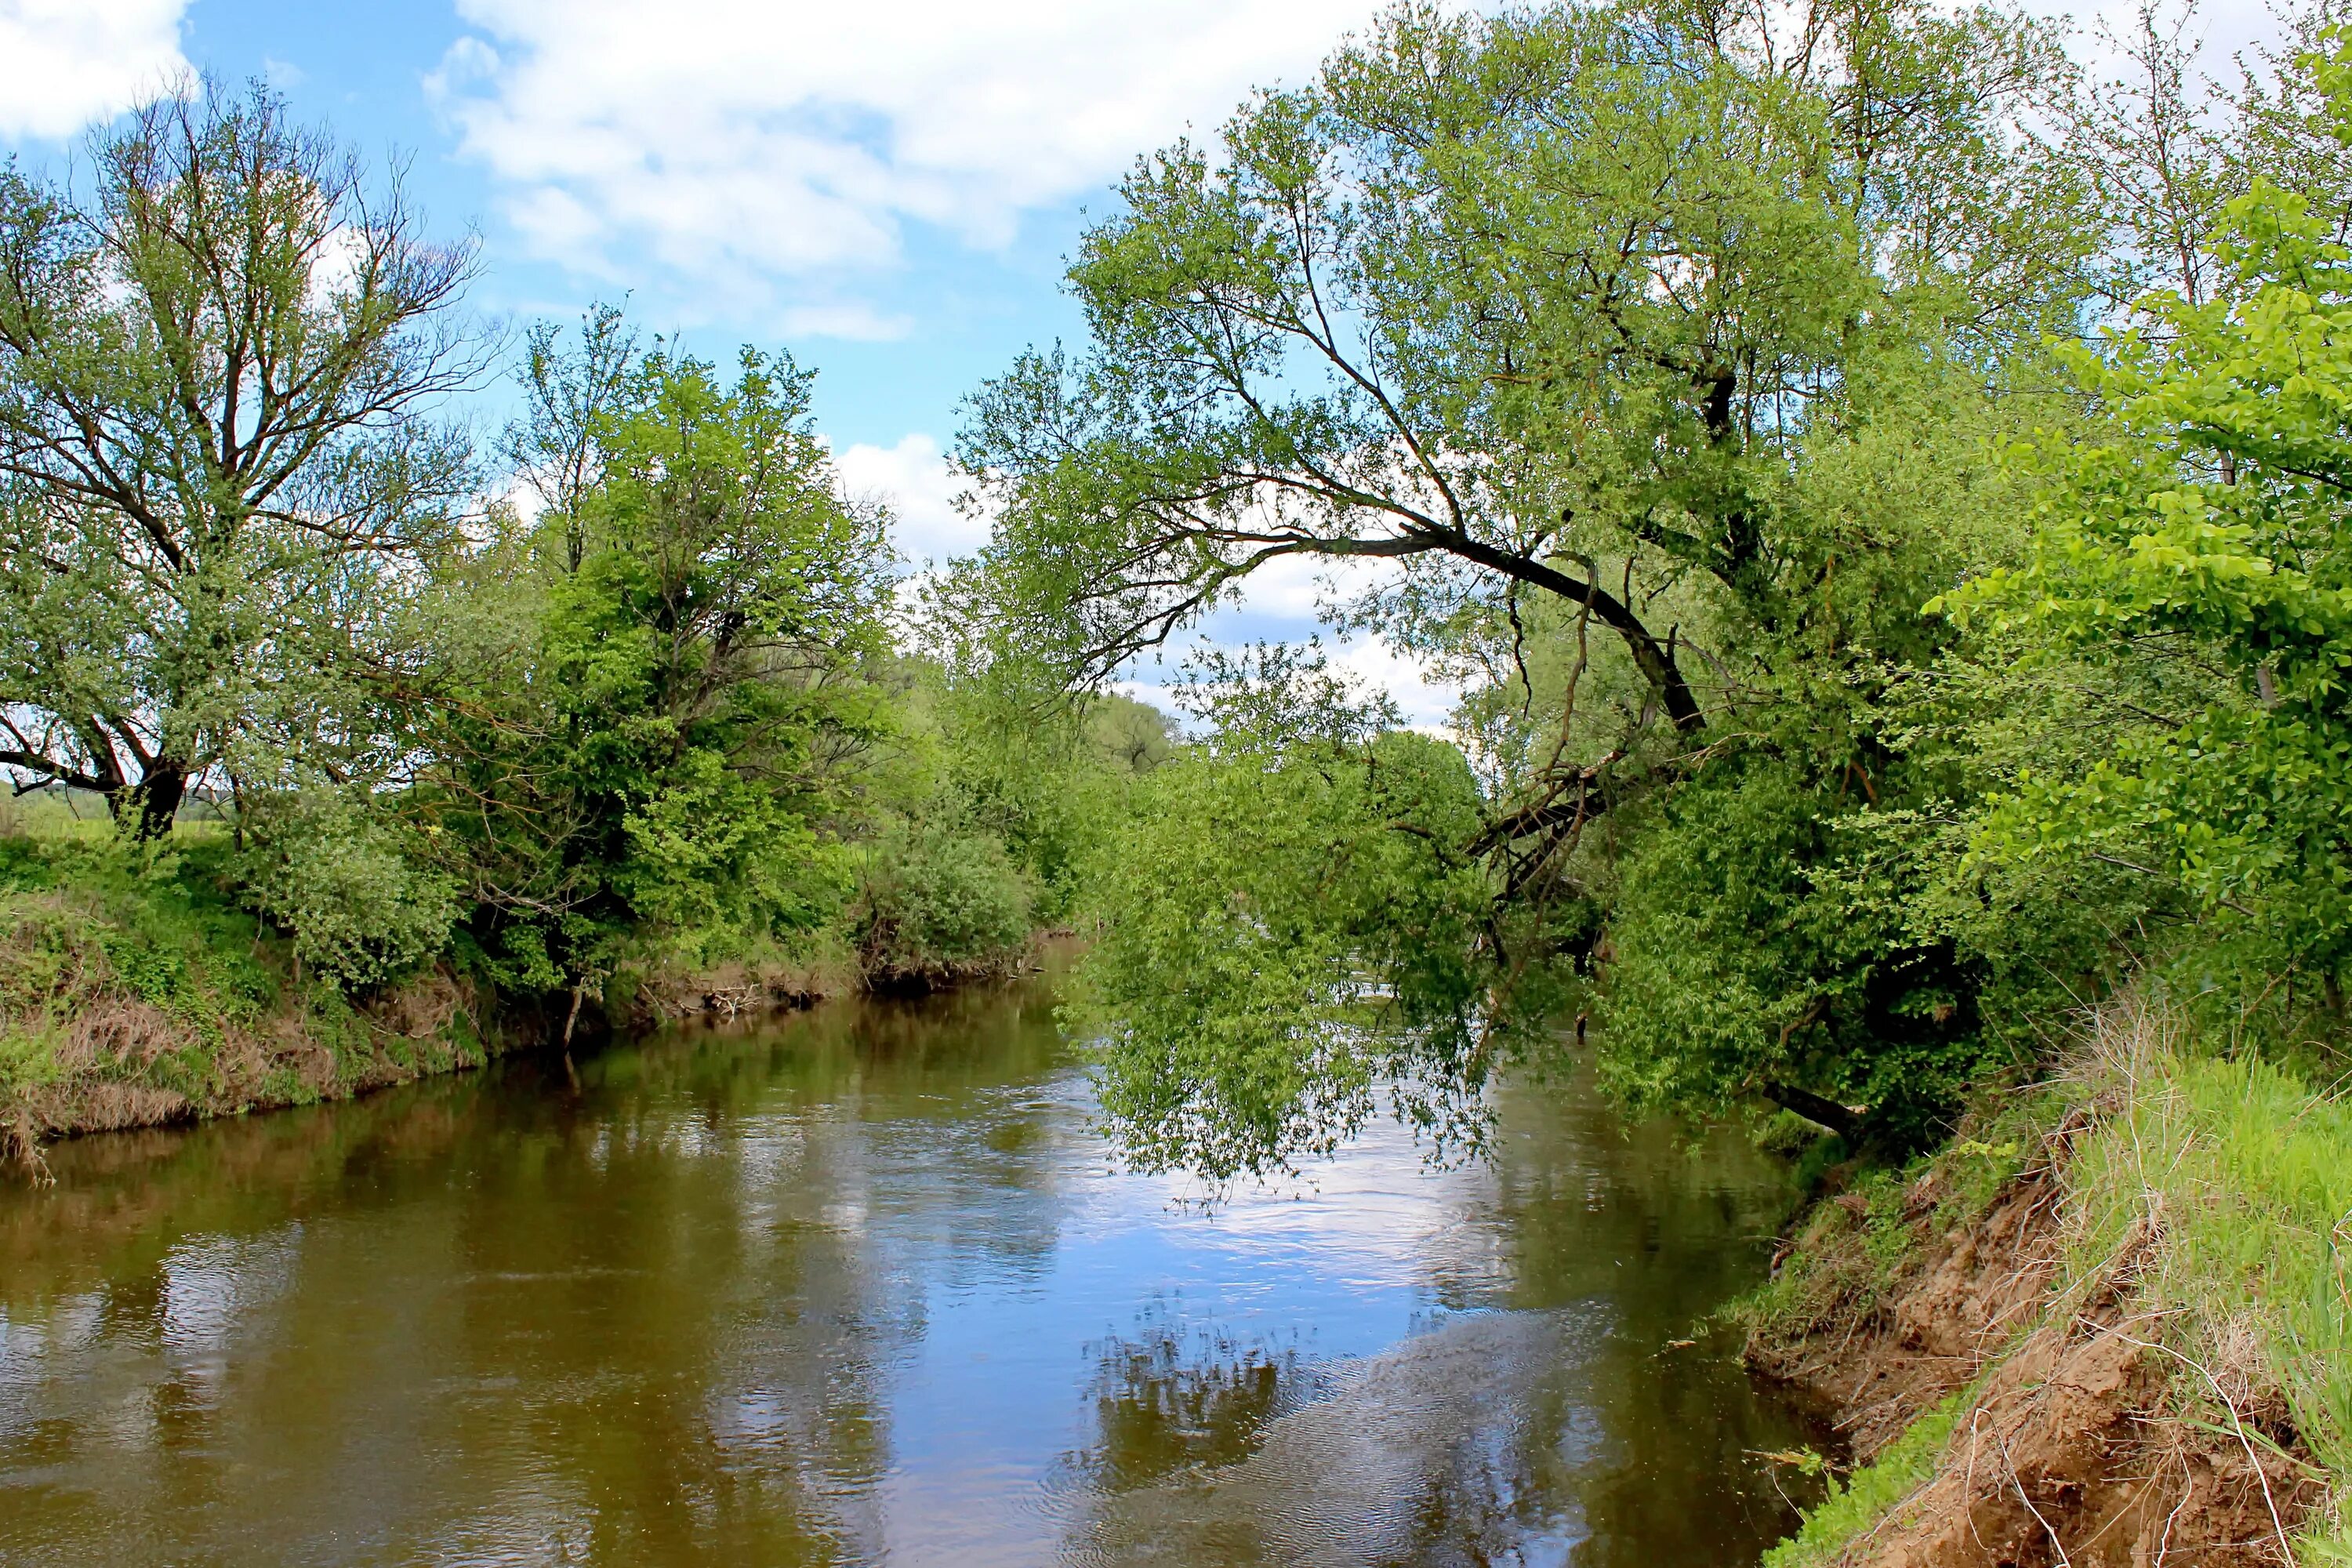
(861, 1287)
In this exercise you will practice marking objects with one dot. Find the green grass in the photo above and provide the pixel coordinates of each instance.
(1863, 1498)
(130, 966)
(2242, 1173)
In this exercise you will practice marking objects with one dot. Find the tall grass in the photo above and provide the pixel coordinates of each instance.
(2237, 1173)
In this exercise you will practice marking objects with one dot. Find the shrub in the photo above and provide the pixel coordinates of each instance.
(939, 897)
(332, 874)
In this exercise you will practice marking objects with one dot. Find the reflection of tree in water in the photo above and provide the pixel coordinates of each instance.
(1567, 1423)
(643, 1316)
(1663, 1223)
(1175, 1398)
(1444, 1448)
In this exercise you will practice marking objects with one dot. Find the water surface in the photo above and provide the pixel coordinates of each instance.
(860, 1286)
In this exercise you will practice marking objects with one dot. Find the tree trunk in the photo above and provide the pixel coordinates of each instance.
(156, 800)
(1817, 1109)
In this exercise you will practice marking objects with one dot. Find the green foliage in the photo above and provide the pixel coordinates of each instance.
(2195, 546)
(339, 875)
(644, 734)
(1499, 298)
(221, 468)
(1756, 943)
(938, 897)
(1863, 1497)
(1288, 935)
(86, 923)
(135, 979)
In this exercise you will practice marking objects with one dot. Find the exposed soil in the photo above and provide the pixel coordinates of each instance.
(2086, 1441)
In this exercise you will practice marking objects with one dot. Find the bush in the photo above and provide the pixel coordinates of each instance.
(937, 898)
(333, 874)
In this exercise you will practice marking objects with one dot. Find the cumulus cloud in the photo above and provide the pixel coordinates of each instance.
(66, 63)
(735, 140)
(914, 481)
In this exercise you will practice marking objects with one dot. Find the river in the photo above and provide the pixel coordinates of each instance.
(862, 1285)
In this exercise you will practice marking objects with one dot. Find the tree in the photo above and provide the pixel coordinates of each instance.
(638, 710)
(1651, 348)
(1294, 932)
(2196, 541)
(1536, 305)
(219, 376)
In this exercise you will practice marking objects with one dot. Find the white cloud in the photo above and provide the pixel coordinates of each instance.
(66, 63)
(1427, 704)
(914, 481)
(736, 141)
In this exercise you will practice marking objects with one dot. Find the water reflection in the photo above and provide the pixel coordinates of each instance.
(858, 1287)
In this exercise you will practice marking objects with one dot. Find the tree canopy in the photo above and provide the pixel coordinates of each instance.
(1661, 369)
(224, 345)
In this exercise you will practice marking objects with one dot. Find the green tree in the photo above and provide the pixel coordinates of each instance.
(1293, 932)
(222, 344)
(639, 710)
(1651, 348)
(2193, 548)
(1499, 300)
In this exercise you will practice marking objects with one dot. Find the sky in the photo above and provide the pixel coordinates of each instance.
(884, 187)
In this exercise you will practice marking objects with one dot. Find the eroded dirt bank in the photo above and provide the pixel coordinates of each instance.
(2015, 1389)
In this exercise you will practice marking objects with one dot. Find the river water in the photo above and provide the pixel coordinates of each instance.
(861, 1286)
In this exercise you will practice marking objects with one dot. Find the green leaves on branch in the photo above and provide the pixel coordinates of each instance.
(222, 351)
(2206, 528)
(1293, 935)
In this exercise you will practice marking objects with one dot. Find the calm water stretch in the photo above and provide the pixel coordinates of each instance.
(859, 1287)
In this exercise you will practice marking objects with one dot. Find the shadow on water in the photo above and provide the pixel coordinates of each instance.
(858, 1286)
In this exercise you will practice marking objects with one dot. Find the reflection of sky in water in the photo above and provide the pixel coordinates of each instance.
(1019, 1281)
(872, 1295)
(982, 1403)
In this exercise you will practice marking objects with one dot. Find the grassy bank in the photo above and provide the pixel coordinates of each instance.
(2110, 1324)
(134, 990)
(137, 987)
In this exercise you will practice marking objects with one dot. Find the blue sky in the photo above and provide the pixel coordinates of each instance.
(887, 188)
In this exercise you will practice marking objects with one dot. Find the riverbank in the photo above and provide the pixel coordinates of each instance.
(2109, 1324)
(136, 991)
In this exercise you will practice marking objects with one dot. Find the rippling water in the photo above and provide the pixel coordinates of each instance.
(861, 1286)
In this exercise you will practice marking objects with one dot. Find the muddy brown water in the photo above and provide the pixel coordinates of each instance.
(861, 1286)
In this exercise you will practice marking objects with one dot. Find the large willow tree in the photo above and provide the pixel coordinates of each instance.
(1504, 299)
(223, 347)
(1619, 333)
